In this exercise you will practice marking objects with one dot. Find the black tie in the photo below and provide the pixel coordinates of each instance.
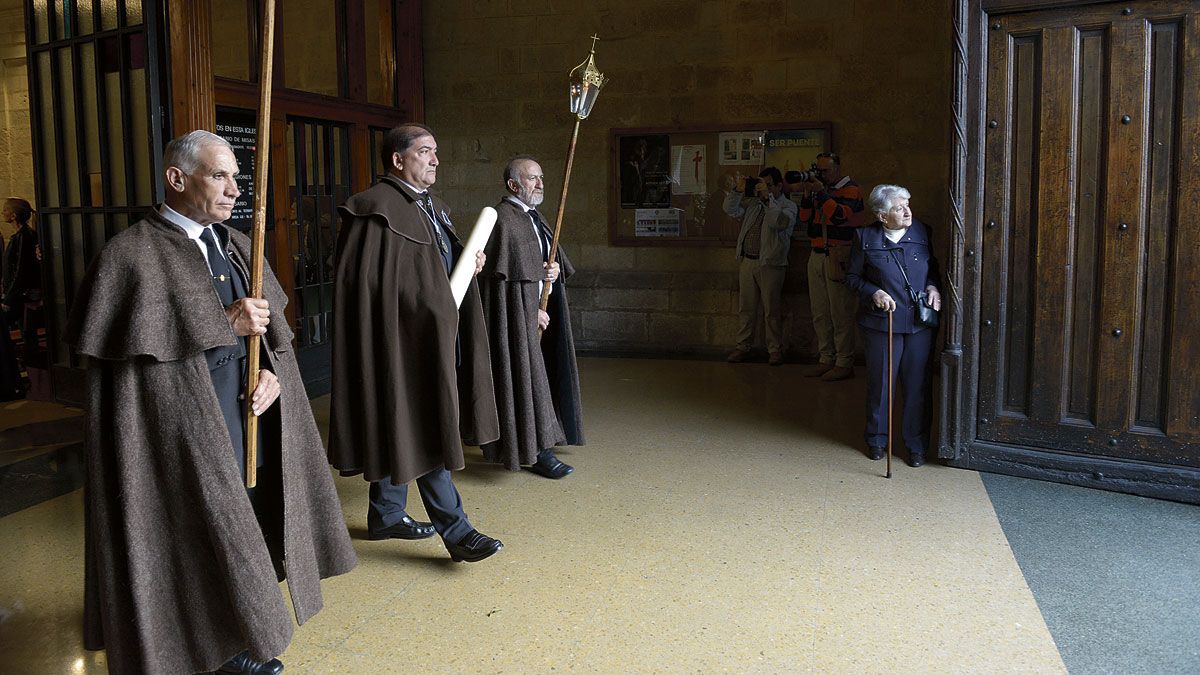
(542, 229)
(221, 272)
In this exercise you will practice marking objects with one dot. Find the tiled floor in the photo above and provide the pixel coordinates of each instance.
(721, 518)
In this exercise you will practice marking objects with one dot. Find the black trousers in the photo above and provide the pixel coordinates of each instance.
(910, 363)
(10, 372)
(441, 498)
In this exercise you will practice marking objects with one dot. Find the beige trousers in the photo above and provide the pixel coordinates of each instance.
(760, 284)
(833, 309)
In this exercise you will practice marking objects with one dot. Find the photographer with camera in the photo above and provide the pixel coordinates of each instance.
(768, 218)
(831, 206)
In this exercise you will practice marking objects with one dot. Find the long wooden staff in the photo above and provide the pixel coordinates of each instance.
(262, 154)
(562, 205)
(889, 445)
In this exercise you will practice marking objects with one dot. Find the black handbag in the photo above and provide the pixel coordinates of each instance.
(926, 314)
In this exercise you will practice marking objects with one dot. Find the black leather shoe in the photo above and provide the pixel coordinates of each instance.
(916, 459)
(876, 453)
(474, 547)
(242, 663)
(551, 467)
(407, 528)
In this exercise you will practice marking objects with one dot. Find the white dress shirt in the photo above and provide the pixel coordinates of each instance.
(189, 226)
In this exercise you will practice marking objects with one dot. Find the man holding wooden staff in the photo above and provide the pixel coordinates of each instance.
(182, 560)
(411, 373)
(537, 379)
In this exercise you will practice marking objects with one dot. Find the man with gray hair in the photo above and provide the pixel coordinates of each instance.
(183, 562)
(533, 350)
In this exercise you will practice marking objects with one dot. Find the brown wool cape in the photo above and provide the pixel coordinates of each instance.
(400, 406)
(537, 379)
(178, 576)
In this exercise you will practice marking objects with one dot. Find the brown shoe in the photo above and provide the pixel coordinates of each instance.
(775, 359)
(817, 370)
(737, 356)
(838, 373)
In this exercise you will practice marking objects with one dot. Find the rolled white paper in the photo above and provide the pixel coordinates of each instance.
(460, 278)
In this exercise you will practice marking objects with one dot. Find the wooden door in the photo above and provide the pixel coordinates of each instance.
(1089, 322)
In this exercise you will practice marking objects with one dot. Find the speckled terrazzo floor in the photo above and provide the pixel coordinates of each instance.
(720, 519)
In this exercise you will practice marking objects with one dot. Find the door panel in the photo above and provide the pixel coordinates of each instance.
(1083, 277)
(1183, 334)
(1153, 350)
(1087, 343)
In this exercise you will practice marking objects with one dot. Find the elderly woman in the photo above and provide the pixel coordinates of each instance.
(890, 264)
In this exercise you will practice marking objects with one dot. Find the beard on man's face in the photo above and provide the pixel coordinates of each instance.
(532, 196)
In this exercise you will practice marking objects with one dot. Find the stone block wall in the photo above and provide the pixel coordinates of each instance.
(495, 86)
(16, 149)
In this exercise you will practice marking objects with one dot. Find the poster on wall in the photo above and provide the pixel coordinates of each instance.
(240, 128)
(741, 148)
(794, 149)
(752, 148)
(658, 223)
(688, 169)
(645, 171)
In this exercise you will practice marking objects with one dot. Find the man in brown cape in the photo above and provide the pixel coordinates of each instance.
(183, 562)
(537, 380)
(411, 376)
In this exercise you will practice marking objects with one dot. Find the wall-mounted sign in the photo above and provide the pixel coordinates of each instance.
(658, 223)
(240, 128)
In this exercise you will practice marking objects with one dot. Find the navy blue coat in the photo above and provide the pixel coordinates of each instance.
(875, 263)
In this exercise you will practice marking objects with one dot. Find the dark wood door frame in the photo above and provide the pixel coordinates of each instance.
(960, 356)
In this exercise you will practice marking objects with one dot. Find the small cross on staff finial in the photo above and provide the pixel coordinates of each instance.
(595, 38)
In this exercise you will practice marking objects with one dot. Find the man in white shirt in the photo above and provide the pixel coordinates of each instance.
(173, 535)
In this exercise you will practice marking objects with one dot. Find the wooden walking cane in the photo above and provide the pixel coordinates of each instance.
(889, 446)
(262, 154)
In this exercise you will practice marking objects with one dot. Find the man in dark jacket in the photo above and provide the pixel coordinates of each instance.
(533, 351)
(404, 357)
(183, 562)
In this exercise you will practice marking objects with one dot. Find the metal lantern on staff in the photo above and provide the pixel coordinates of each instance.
(585, 83)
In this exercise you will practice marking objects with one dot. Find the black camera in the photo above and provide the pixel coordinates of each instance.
(751, 181)
(812, 174)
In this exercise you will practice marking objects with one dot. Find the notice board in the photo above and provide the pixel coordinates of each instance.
(667, 186)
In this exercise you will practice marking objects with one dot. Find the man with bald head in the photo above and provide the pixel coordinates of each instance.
(533, 350)
(183, 561)
(411, 376)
